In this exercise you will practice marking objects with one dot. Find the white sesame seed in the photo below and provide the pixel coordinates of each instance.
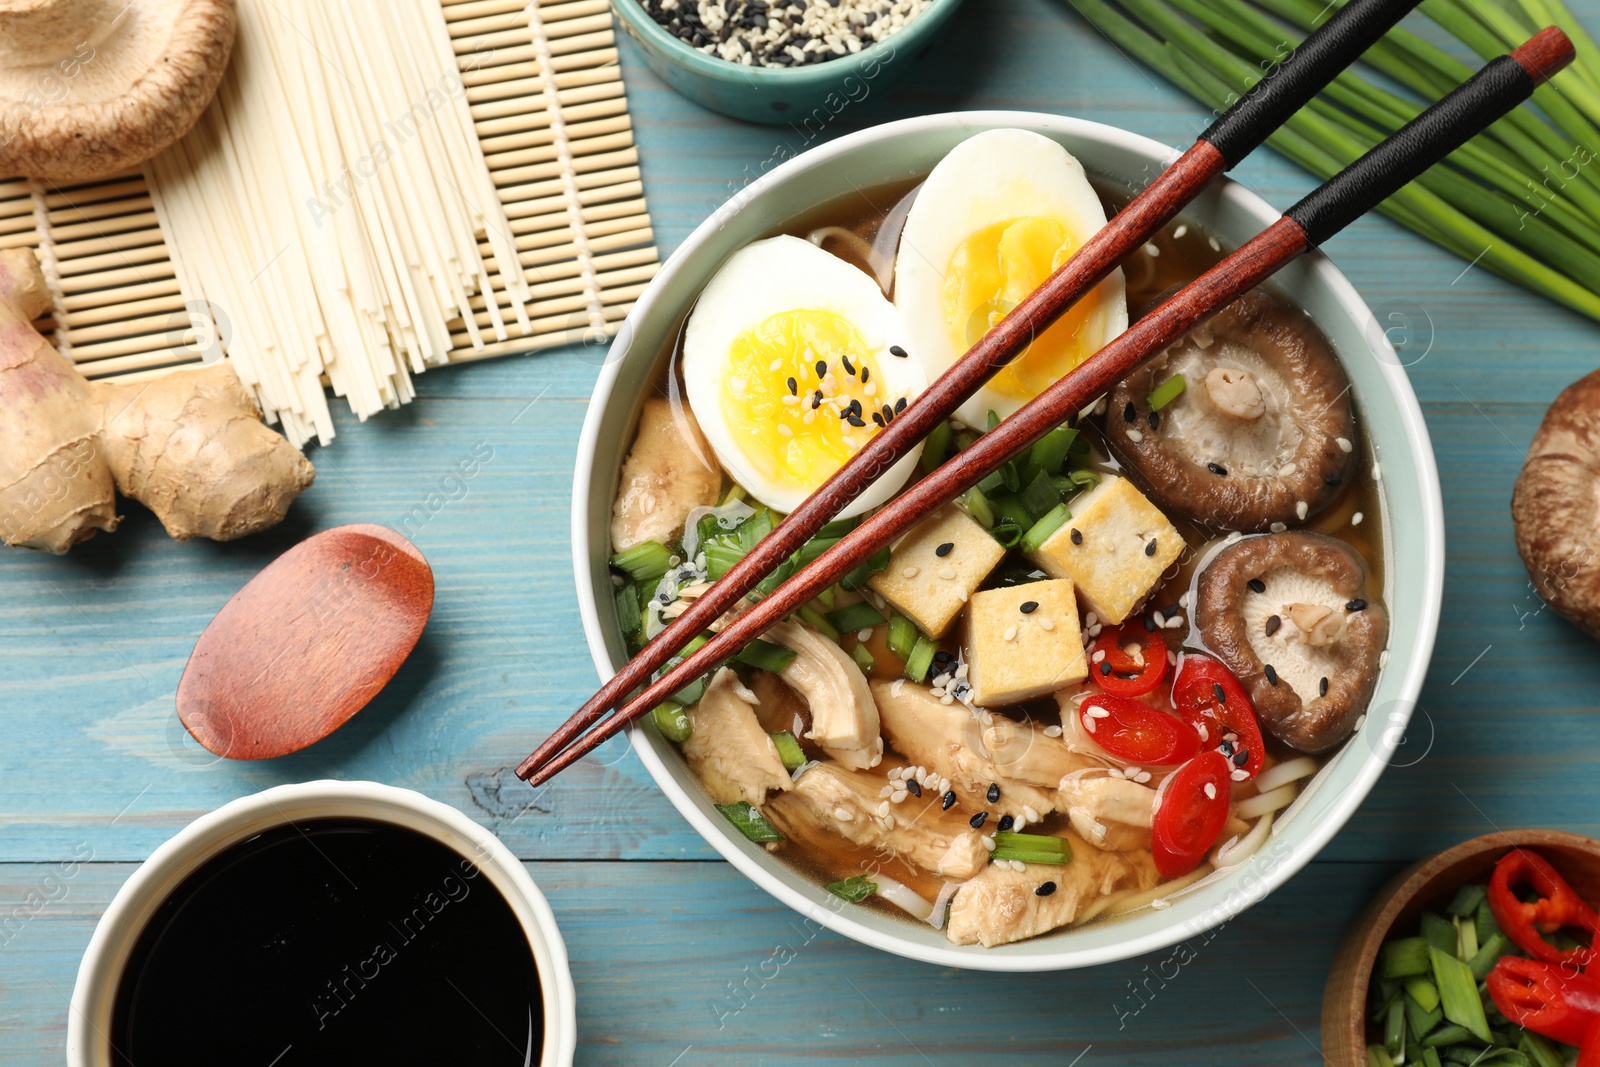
(1091, 619)
(1344, 444)
(775, 366)
(784, 430)
(883, 809)
(864, 634)
(1159, 619)
(1029, 814)
(1151, 250)
(1300, 509)
(1011, 633)
(1099, 713)
(947, 573)
(1286, 470)
(988, 842)
(1383, 659)
(1355, 520)
(1240, 774)
(1277, 527)
(910, 572)
(1205, 735)
(1215, 245)
(1186, 599)
(1361, 720)
(1088, 724)
(1135, 436)
(896, 772)
(1144, 776)
(1047, 623)
(961, 670)
(1052, 731)
(843, 814)
(944, 785)
(1180, 231)
(1099, 656)
(789, 400)
(871, 389)
(947, 699)
(1174, 622)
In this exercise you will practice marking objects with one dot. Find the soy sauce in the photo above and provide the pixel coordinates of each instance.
(331, 941)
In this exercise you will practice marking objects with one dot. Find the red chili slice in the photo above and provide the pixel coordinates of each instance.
(1137, 732)
(1208, 697)
(1547, 998)
(1589, 1054)
(1556, 906)
(1194, 808)
(1126, 673)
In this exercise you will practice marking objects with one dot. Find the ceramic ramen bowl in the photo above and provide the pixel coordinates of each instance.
(1412, 524)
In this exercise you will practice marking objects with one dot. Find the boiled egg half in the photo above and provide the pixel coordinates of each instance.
(995, 218)
(790, 366)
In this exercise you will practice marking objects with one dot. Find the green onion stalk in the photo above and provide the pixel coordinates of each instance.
(1521, 199)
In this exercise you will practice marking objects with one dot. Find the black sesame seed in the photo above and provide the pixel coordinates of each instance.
(1217, 469)
(913, 787)
(855, 421)
(866, 373)
(949, 800)
(1150, 549)
(1105, 668)
(1077, 537)
(794, 387)
(1241, 757)
(1258, 585)
(1149, 625)
(944, 549)
(977, 821)
(1045, 889)
(1028, 607)
(1333, 480)
(888, 412)
(1272, 674)
(899, 405)
(896, 350)
(877, 418)
(1225, 747)
(1220, 693)
(855, 407)
(849, 368)
(1129, 413)
(1154, 419)
(1356, 605)
(816, 400)
(994, 793)
(1322, 687)
(1273, 624)
(1006, 822)
(822, 369)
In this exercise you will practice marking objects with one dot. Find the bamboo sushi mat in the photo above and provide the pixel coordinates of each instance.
(564, 165)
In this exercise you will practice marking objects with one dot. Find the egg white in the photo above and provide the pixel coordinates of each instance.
(987, 179)
(767, 278)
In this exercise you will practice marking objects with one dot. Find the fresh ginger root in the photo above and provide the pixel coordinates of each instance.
(189, 445)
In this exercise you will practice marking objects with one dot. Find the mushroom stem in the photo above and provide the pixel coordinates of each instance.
(34, 32)
(1236, 393)
(1319, 625)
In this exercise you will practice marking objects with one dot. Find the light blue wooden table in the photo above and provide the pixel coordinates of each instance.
(674, 955)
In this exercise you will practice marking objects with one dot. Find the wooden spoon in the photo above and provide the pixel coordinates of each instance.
(1430, 884)
(306, 643)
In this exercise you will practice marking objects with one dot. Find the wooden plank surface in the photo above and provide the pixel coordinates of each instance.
(91, 648)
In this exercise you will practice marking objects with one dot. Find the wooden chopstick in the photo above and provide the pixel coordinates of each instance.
(1236, 133)
(1493, 91)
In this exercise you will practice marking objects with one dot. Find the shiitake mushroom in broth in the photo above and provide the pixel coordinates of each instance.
(972, 728)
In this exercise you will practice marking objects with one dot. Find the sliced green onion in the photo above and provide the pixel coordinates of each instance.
(1466, 901)
(857, 579)
(1167, 392)
(1484, 920)
(1466, 940)
(1031, 848)
(1007, 507)
(855, 890)
(1378, 1056)
(766, 656)
(1405, 956)
(1040, 531)
(779, 575)
(814, 547)
(1394, 1029)
(1540, 1050)
(1458, 993)
(935, 447)
(1424, 992)
(921, 658)
(672, 721)
(691, 693)
(1007, 533)
(1439, 932)
(991, 421)
(815, 619)
(1430, 1058)
(721, 554)
(1041, 495)
(858, 616)
(1488, 955)
(902, 635)
(645, 562)
(1447, 1035)
(629, 611)
(977, 505)
(1050, 451)
(1010, 476)
(863, 657)
(750, 822)
(839, 527)
(754, 528)
(735, 492)
(825, 599)
(789, 750)
(1421, 1020)
(992, 482)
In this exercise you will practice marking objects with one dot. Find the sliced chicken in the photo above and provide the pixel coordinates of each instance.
(950, 741)
(1002, 905)
(777, 706)
(846, 804)
(1110, 813)
(670, 471)
(728, 750)
(844, 720)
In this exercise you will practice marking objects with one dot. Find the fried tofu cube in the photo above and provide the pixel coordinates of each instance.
(936, 567)
(1116, 547)
(1023, 641)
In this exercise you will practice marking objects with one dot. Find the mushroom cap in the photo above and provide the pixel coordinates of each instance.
(1556, 505)
(91, 88)
(1282, 446)
(1304, 580)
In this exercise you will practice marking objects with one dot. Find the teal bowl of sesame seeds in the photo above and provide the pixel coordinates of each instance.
(782, 62)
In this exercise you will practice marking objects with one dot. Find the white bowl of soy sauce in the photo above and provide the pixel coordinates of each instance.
(326, 923)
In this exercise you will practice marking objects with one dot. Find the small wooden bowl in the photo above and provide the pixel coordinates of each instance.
(1430, 884)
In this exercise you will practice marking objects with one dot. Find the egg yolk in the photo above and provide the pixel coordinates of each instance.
(801, 394)
(991, 272)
